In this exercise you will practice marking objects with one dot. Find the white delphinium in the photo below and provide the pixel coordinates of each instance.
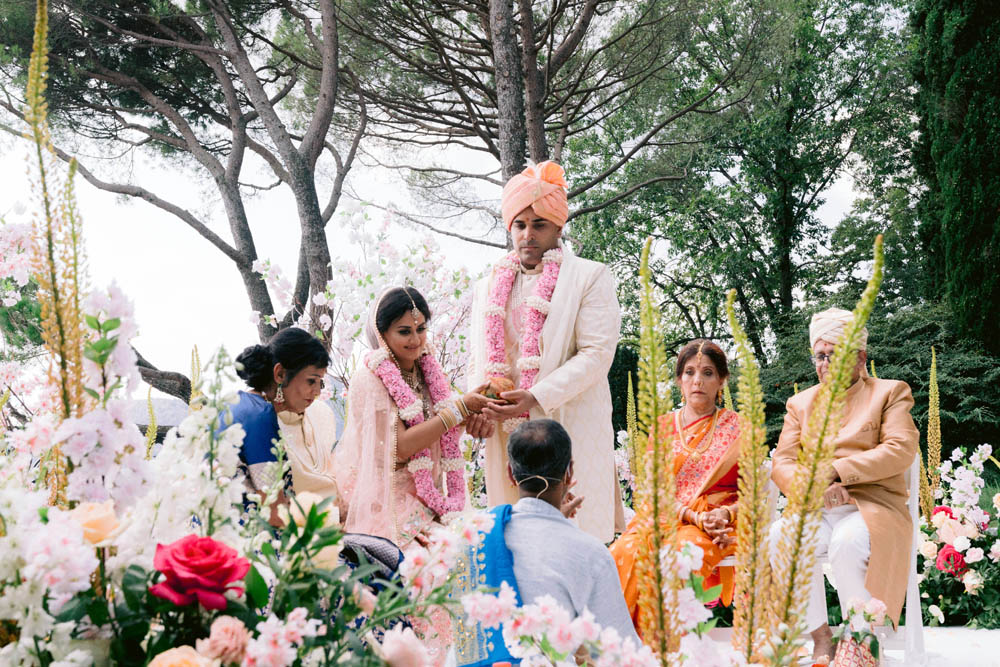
(43, 558)
(112, 304)
(964, 483)
(681, 562)
(107, 451)
(195, 488)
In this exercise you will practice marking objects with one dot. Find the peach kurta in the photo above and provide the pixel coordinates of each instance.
(309, 440)
(578, 344)
(875, 446)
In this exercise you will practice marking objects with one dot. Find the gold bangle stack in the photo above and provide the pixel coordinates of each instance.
(463, 409)
(448, 418)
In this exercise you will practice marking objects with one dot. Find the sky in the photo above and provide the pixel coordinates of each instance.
(185, 291)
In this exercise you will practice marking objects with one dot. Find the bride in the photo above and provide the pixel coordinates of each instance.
(401, 441)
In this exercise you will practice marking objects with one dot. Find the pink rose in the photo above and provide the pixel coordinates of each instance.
(198, 568)
(950, 560)
(876, 609)
(948, 530)
(402, 648)
(227, 640)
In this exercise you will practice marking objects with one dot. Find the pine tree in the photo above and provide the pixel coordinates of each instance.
(955, 62)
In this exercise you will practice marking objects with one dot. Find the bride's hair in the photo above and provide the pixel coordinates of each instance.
(397, 302)
(293, 348)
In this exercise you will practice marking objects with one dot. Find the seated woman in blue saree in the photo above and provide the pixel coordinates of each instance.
(285, 377)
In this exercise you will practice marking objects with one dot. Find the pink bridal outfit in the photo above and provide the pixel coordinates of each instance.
(378, 493)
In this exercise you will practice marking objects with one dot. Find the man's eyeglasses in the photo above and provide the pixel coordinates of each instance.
(820, 358)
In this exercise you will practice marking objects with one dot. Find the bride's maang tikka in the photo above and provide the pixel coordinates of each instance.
(413, 311)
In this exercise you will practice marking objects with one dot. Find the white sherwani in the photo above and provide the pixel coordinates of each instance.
(578, 345)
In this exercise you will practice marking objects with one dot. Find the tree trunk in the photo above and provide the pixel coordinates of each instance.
(314, 243)
(509, 88)
(260, 300)
(534, 86)
(170, 383)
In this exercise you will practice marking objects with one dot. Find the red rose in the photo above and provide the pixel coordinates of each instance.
(946, 510)
(951, 560)
(198, 568)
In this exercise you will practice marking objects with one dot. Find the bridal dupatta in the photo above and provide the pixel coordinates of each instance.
(379, 495)
(706, 476)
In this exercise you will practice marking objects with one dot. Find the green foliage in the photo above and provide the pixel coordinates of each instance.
(21, 325)
(623, 368)
(956, 51)
(831, 85)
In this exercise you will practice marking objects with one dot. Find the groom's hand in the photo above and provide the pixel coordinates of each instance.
(480, 426)
(519, 401)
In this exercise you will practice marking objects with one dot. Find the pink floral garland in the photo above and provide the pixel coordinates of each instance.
(411, 412)
(537, 310)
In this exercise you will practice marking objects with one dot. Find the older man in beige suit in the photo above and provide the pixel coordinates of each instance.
(866, 529)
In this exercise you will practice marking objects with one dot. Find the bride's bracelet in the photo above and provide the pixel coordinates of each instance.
(463, 409)
(448, 418)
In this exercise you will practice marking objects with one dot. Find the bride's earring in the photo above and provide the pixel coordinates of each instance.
(279, 397)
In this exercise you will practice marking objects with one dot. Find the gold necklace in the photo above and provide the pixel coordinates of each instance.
(413, 379)
(685, 439)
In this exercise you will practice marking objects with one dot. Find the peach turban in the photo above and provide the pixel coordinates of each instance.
(830, 326)
(543, 187)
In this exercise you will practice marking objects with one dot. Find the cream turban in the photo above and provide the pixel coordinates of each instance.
(830, 326)
(543, 187)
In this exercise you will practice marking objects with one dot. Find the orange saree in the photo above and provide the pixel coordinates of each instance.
(706, 476)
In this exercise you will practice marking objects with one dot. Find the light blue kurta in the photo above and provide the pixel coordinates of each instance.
(554, 557)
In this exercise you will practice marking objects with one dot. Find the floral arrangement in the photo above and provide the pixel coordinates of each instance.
(959, 552)
(536, 310)
(752, 570)
(411, 412)
(169, 573)
(857, 643)
(543, 633)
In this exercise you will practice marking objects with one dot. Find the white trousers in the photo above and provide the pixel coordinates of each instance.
(843, 541)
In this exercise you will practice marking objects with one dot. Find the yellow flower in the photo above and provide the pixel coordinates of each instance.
(98, 520)
(182, 656)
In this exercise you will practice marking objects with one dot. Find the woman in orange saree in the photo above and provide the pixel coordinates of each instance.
(705, 449)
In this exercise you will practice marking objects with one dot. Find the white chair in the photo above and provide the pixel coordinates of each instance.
(913, 626)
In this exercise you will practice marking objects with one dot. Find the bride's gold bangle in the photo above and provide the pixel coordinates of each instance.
(448, 419)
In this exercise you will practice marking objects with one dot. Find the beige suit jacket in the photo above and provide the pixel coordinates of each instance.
(578, 345)
(874, 448)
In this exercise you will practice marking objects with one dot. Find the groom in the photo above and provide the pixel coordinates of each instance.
(548, 321)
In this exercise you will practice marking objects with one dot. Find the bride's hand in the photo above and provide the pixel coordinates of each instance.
(475, 400)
